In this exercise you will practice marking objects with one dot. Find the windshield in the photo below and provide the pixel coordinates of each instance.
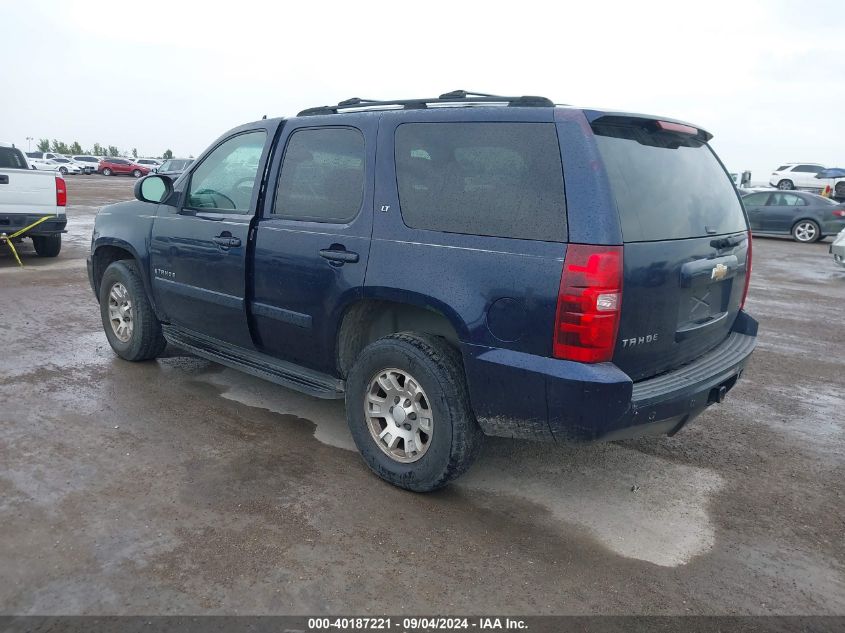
(667, 185)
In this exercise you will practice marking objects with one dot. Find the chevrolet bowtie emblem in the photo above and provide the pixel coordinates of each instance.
(719, 272)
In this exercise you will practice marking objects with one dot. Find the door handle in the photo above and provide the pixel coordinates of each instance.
(226, 240)
(338, 256)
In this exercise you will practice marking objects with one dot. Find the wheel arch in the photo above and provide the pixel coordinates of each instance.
(374, 317)
(109, 251)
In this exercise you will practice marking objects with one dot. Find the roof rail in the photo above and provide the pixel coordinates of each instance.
(456, 97)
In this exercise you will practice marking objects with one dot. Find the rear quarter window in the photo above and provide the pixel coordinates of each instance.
(11, 158)
(667, 185)
(478, 178)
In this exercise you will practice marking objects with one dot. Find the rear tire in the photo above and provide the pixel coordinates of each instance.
(47, 245)
(63, 171)
(430, 371)
(107, 172)
(806, 232)
(131, 326)
(786, 185)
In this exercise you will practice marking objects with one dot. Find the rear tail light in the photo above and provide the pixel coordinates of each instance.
(839, 213)
(747, 272)
(589, 303)
(61, 192)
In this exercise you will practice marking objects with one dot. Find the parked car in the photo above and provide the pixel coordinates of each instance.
(92, 161)
(806, 216)
(116, 166)
(42, 155)
(43, 165)
(67, 166)
(837, 249)
(174, 167)
(151, 163)
(797, 176)
(446, 286)
(26, 196)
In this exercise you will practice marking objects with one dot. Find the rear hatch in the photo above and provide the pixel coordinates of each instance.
(685, 243)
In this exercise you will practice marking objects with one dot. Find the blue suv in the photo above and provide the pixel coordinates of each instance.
(452, 267)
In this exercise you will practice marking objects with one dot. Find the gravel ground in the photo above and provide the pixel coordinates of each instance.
(180, 486)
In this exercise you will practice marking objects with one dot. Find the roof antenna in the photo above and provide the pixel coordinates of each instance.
(264, 117)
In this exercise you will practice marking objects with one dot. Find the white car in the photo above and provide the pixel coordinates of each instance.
(92, 161)
(798, 176)
(67, 166)
(837, 249)
(151, 163)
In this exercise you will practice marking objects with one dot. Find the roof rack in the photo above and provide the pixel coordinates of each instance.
(456, 97)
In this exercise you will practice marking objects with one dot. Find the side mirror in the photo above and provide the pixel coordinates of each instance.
(153, 188)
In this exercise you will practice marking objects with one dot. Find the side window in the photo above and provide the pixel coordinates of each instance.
(322, 177)
(755, 199)
(495, 179)
(808, 169)
(782, 168)
(225, 180)
(785, 200)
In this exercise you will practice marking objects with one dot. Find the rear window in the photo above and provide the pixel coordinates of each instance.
(494, 179)
(11, 158)
(667, 185)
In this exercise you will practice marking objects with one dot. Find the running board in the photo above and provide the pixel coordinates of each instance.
(281, 372)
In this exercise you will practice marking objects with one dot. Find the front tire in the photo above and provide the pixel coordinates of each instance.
(409, 413)
(47, 245)
(131, 327)
(786, 185)
(806, 232)
(136, 173)
(63, 171)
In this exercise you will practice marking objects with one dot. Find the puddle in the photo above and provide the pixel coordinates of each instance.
(665, 521)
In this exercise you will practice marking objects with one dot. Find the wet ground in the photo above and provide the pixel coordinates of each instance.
(180, 486)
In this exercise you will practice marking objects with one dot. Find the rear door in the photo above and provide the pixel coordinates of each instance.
(199, 242)
(781, 211)
(313, 237)
(685, 243)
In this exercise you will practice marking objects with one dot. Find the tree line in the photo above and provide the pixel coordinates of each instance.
(60, 147)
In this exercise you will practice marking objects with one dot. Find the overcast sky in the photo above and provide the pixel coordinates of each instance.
(766, 78)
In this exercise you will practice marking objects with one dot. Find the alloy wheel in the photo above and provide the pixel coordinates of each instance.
(399, 415)
(805, 232)
(120, 312)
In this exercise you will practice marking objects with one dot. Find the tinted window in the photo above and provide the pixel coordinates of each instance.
(782, 167)
(755, 199)
(667, 185)
(496, 179)
(786, 200)
(34, 154)
(322, 175)
(226, 178)
(11, 158)
(808, 169)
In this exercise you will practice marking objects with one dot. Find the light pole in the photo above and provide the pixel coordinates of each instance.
(29, 140)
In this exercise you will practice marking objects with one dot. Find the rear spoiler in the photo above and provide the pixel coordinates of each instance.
(627, 118)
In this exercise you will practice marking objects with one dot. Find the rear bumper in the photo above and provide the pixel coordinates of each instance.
(832, 227)
(12, 223)
(525, 396)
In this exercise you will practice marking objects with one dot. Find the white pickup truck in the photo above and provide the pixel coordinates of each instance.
(26, 196)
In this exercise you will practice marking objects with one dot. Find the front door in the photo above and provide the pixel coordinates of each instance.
(755, 206)
(199, 245)
(313, 238)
